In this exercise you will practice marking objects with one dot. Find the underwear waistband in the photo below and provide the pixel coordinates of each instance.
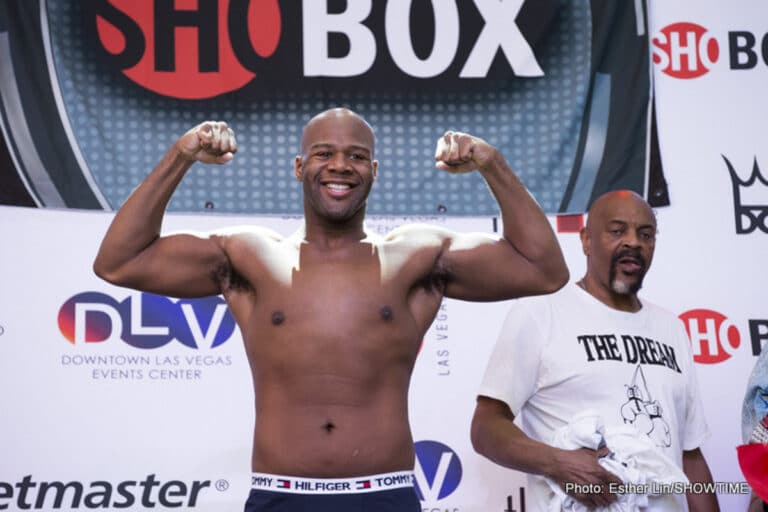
(303, 485)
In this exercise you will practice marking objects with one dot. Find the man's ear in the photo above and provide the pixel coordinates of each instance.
(298, 169)
(585, 241)
(375, 169)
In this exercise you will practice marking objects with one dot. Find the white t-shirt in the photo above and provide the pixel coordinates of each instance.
(558, 355)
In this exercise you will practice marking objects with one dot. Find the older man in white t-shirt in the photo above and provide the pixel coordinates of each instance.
(595, 346)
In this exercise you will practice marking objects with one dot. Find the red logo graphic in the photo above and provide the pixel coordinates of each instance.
(189, 49)
(685, 50)
(713, 336)
(570, 223)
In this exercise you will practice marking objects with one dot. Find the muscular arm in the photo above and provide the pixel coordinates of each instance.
(134, 255)
(696, 469)
(527, 260)
(495, 436)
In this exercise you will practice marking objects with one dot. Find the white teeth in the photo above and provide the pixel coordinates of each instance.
(337, 186)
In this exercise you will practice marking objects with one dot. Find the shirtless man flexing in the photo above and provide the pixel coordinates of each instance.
(333, 315)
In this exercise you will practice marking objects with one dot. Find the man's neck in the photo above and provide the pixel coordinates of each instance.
(621, 301)
(325, 235)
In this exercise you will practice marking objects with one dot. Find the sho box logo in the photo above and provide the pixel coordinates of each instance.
(195, 49)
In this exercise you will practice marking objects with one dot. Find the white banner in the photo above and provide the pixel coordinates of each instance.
(119, 399)
(138, 400)
(711, 74)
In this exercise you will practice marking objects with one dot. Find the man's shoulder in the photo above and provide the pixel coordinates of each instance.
(257, 237)
(252, 240)
(658, 312)
(248, 231)
(563, 298)
(417, 232)
(664, 323)
(416, 237)
(568, 306)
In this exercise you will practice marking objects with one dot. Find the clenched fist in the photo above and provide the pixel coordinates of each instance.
(459, 152)
(210, 142)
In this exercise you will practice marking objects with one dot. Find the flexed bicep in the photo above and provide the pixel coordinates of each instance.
(179, 265)
(528, 259)
(484, 267)
(134, 254)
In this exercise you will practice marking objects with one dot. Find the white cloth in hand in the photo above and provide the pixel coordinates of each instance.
(635, 460)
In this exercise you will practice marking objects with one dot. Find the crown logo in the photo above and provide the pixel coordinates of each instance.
(749, 217)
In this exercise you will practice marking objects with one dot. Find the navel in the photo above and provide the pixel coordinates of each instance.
(329, 426)
(386, 314)
(278, 318)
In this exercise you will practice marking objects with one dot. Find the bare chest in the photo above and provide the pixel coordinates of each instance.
(366, 295)
(333, 297)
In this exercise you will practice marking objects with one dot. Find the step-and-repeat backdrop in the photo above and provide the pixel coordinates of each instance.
(114, 399)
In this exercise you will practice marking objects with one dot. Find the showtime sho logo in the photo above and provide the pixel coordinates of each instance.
(688, 50)
(188, 49)
(145, 321)
(714, 338)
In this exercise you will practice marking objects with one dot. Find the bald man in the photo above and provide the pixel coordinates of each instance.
(595, 347)
(332, 316)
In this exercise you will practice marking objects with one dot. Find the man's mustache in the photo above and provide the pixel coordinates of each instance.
(629, 253)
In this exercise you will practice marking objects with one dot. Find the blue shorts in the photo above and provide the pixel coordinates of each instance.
(391, 492)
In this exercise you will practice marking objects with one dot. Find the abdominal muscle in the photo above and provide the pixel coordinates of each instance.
(331, 374)
(334, 428)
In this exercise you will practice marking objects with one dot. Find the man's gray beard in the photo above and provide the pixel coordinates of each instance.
(622, 288)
